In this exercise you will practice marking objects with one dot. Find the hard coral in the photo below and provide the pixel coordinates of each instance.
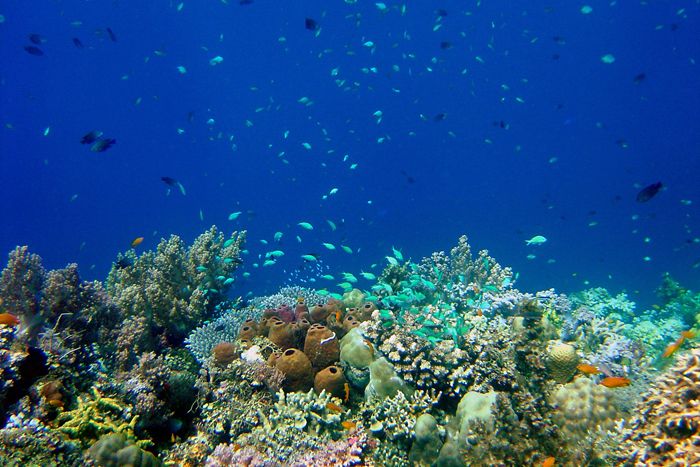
(177, 287)
(667, 429)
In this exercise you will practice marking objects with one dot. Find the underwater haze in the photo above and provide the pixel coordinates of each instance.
(473, 118)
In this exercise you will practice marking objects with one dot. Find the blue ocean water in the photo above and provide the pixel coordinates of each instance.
(497, 121)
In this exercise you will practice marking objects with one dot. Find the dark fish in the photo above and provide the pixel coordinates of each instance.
(32, 50)
(440, 117)
(444, 45)
(310, 24)
(169, 181)
(90, 137)
(245, 2)
(649, 192)
(111, 34)
(559, 40)
(101, 145)
(639, 78)
(556, 56)
(409, 178)
(190, 116)
(77, 42)
(124, 262)
(36, 39)
(174, 183)
(441, 12)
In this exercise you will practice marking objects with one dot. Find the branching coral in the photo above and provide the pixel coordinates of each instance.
(203, 339)
(176, 287)
(95, 416)
(603, 304)
(288, 296)
(666, 430)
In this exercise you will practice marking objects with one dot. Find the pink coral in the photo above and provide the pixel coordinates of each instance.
(341, 453)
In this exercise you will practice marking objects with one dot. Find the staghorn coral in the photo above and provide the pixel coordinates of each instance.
(177, 287)
(666, 430)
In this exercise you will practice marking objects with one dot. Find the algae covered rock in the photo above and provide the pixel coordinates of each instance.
(427, 444)
(562, 362)
(355, 350)
(475, 406)
(384, 381)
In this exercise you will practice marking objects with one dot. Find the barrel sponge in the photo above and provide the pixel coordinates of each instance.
(321, 346)
(355, 350)
(582, 406)
(562, 362)
(297, 369)
(331, 380)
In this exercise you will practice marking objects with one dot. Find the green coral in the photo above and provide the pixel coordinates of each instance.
(603, 304)
(177, 287)
(114, 450)
(96, 416)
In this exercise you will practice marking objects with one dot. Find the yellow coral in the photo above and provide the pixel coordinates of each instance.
(95, 416)
(562, 362)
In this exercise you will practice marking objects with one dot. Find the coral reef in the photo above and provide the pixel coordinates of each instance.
(441, 362)
(666, 429)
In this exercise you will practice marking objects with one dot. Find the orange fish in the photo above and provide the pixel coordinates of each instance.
(587, 369)
(346, 386)
(348, 425)
(671, 349)
(9, 319)
(615, 382)
(688, 334)
(549, 462)
(338, 315)
(136, 242)
(334, 407)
